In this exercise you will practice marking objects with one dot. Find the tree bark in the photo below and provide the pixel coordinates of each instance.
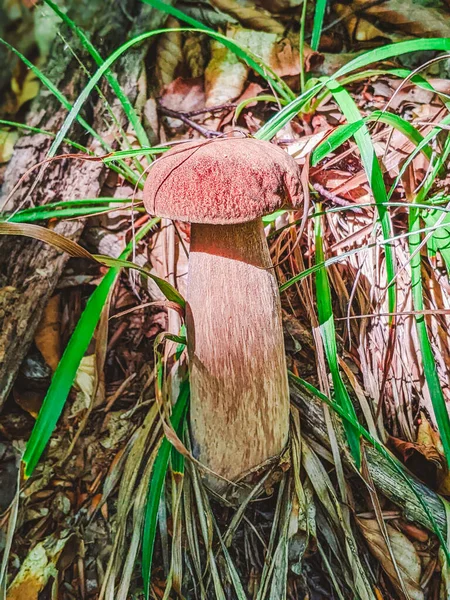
(388, 481)
(29, 270)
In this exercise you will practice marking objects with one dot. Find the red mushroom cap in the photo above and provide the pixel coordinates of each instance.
(226, 181)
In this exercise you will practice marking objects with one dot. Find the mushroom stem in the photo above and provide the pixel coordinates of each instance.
(239, 386)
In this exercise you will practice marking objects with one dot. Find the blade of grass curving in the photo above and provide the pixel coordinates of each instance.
(44, 132)
(379, 54)
(375, 179)
(239, 51)
(156, 485)
(328, 333)
(69, 213)
(73, 249)
(380, 448)
(54, 90)
(65, 373)
(319, 14)
(262, 98)
(344, 132)
(110, 77)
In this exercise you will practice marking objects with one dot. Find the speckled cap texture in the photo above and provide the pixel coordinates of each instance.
(226, 181)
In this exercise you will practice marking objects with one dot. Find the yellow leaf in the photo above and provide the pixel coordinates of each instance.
(7, 141)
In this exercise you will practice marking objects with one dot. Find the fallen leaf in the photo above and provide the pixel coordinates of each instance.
(25, 90)
(249, 15)
(408, 561)
(169, 53)
(411, 16)
(47, 337)
(85, 381)
(184, 95)
(359, 30)
(7, 141)
(37, 568)
(225, 76)
(194, 54)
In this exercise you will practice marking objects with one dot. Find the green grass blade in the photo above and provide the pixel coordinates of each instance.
(328, 333)
(110, 77)
(156, 486)
(121, 154)
(319, 14)
(66, 213)
(39, 213)
(386, 52)
(375, 179)
(393, 50)
(64, 375)
(122, 169)
(344, 132)
(54, 90)
(429, 363)
(44, 132)
(380, 448)
(73, 114)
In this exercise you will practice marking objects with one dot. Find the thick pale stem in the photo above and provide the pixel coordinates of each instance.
(239, 387)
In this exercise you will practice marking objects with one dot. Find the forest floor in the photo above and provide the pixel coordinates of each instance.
(96, 350)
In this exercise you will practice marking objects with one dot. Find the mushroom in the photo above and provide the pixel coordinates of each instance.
(239, 389)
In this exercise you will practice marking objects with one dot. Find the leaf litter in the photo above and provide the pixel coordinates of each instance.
(317, 533)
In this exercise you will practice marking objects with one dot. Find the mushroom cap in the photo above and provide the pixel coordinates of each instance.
(226, 181)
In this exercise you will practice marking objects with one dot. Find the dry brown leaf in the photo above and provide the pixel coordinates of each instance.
(85, 381)
(249, 15)
(358, 29)
(225, 76)
(408, 561)
(169, 53)
(410, 16)
(184, 95)
(193, 54)
(429, 438)
(37, 569)
(47, 337)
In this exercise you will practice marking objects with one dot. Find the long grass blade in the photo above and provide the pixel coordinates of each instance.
(156, 486)
(328, 333)
(110, 77)
(380, 448)
(319, 14)
(64, 375)
(375, 178)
